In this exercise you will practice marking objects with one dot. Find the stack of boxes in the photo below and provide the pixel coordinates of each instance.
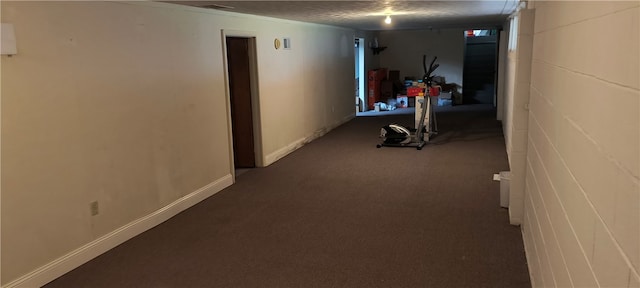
(386, 90)
(385, 86)
(394, 87)
(375, 80)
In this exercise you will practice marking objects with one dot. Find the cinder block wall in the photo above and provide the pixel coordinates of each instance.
(582, 199)
(517, 115)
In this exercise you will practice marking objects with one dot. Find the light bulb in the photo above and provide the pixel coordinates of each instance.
(387, 20)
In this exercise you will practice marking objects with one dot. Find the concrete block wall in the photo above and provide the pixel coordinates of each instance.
(581, 225)
(519, 117)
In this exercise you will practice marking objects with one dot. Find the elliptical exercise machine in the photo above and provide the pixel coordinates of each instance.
(394, 135)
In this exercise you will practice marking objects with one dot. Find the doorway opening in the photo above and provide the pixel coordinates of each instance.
(243, 102)
(480, 67)
(361, 104)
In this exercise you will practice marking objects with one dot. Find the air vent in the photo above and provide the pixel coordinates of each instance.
(217, 7)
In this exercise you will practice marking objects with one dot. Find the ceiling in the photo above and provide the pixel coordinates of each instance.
(369, 15)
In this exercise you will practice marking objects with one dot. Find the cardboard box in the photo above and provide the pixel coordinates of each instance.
(402, 101)
(378, 74)
(412, 101)
(414, 91)
(374, 93)
(445, 95)
(386, 90)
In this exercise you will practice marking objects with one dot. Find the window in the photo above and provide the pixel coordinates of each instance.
(513, 33)
(480, 33)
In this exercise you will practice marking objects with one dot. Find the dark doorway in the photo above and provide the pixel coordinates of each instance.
(479, 71)
(239, 72)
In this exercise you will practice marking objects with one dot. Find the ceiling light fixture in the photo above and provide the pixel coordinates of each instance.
(387, 20)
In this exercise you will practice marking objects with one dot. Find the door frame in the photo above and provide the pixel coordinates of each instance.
(361, 74)
(495, 64)
(255, 99)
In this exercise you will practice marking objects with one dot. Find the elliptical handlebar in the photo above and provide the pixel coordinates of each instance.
(424, 65)
(432, 67)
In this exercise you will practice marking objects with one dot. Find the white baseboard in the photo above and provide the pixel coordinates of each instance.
(84, 254)
(284, 151)
(347, 118)
(527, 255)
(516, 221)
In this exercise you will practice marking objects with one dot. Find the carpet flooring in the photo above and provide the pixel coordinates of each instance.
(340, 212)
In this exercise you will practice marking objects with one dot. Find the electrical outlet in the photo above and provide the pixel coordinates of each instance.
(95, 209)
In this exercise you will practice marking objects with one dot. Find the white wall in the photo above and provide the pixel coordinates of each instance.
(582, 204)
(125, 104)
(405, 49)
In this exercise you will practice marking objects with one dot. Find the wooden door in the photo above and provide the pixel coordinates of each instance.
(241, 109)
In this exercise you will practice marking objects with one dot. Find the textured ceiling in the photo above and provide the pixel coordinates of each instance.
(369, 15)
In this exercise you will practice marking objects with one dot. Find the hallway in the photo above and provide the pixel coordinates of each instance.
(341, 213)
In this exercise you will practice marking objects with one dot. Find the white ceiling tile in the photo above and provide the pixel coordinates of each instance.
(369, 15)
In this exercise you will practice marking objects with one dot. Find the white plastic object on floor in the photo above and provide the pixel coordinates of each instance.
(505, 177)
